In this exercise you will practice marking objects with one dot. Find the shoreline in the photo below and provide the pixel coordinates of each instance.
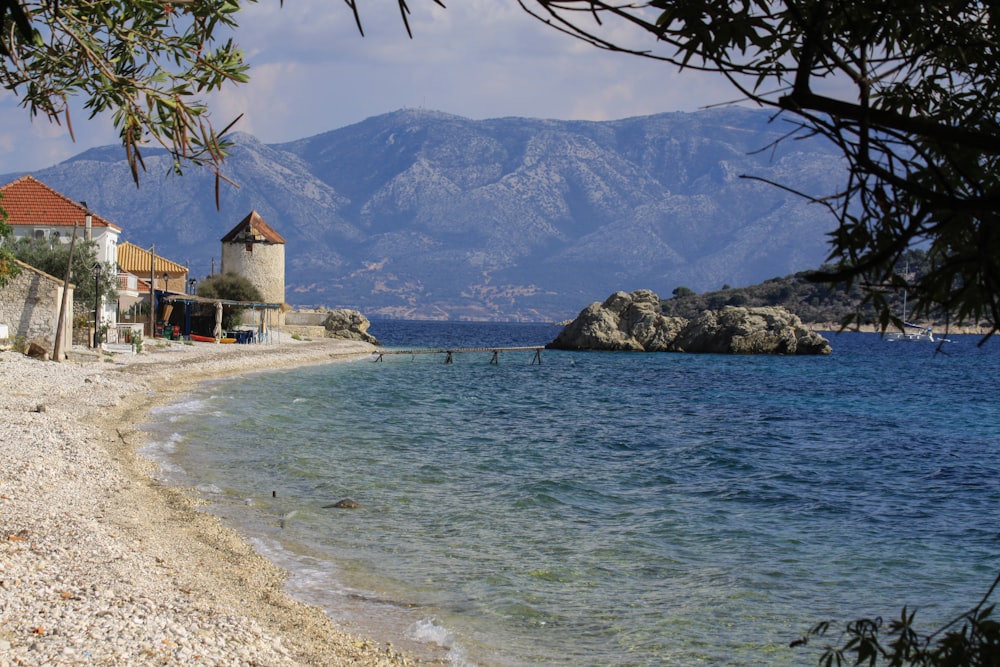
(100, 563)
(937, 329)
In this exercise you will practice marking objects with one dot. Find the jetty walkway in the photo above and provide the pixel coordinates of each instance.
(450, 352)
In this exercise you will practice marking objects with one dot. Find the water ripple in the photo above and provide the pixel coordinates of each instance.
(615, 509)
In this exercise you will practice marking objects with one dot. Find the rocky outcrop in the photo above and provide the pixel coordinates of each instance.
(633, 322)
(339, 323)
(763, 330)
(628, 322)
(349, 325)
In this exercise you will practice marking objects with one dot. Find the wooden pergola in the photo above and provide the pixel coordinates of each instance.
(266, 323)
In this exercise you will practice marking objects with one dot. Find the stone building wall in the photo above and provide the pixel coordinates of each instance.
(29, 306)
(263, 265)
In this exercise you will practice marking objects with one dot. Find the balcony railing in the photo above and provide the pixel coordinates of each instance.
(128, 282)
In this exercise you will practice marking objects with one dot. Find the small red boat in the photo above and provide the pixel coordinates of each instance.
(210, 339)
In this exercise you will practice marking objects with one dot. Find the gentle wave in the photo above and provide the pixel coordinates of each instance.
(613, 509)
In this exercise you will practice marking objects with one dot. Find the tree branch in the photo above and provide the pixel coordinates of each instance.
(982, 141)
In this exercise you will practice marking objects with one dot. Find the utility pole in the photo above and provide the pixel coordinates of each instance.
(152, 290)
(57, 352)
(96, 268)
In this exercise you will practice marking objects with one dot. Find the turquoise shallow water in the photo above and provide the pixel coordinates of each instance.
(609, 509)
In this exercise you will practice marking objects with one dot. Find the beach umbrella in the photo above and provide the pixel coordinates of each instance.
(218, 321)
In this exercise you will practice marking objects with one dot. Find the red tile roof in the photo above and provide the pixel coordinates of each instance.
(28, 201)
(252, 229)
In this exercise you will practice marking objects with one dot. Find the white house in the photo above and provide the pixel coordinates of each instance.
(35, 210)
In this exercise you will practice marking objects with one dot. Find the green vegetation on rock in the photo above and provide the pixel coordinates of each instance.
(816, 303)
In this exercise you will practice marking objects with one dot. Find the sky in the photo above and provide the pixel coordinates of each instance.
(311, 72)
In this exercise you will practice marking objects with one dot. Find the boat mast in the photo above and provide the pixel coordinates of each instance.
(906, 277)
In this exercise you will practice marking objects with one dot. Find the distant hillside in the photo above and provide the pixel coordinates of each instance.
(814, 303)
(422, 214)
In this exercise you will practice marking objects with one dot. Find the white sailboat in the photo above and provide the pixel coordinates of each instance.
(918, 334)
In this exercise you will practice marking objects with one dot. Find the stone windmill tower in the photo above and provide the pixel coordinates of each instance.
(255, 251)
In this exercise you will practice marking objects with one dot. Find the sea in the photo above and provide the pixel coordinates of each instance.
(612, 509)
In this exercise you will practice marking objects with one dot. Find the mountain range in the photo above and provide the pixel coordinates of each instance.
(422, 214)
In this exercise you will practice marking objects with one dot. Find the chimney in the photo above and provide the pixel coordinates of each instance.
(87, 222)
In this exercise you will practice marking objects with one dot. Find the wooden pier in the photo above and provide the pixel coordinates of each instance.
(449, 353)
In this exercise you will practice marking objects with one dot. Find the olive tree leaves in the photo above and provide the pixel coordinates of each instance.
(146, 62)
(971, 639)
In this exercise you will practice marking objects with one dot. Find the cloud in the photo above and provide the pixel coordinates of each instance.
(28, 143)
(311, 72)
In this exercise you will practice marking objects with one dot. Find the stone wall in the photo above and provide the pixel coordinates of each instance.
(29, 306)
(306, 318)
(263, 265)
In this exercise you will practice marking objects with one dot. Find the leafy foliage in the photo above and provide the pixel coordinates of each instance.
(970, 640)
(816, 303)
(51, 257)
(908, 92)
(146, 62)
(143, 61)
(8, 270)
(229, 286)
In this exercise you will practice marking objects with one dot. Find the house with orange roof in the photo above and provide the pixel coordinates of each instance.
(142, 271)
(37, 211)
(34, 210)
(167, 276)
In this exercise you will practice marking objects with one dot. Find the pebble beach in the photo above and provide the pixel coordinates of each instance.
(100, 564)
